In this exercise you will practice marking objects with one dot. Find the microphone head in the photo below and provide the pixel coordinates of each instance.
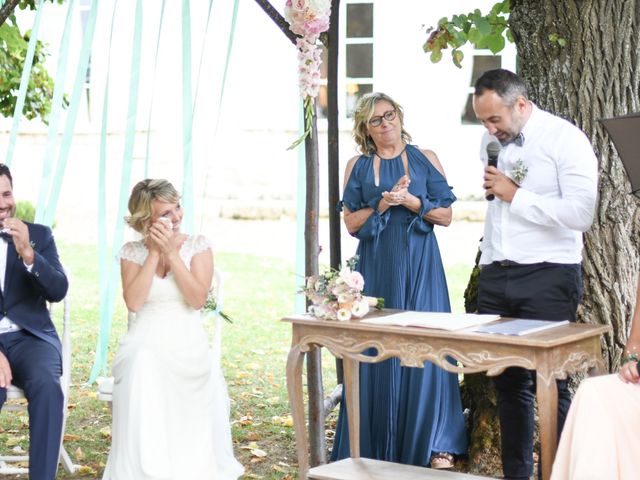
(493, 149)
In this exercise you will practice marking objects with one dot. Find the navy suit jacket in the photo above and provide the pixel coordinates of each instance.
(25, 294)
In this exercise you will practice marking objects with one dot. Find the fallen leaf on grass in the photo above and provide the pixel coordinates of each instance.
(79, 454)
(12, 441)
(279, 468)
(105, 431)
(86, 470)
(71, 438)
(286, 421)
(253, 436)
(246, 420)
(256, 452)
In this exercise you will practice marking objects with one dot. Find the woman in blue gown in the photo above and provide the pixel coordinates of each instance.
(394, 194)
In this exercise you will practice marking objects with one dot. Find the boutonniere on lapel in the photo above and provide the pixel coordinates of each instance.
(519, 172)
(33, 244)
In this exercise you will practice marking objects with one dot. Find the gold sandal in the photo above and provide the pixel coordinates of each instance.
(442, 460)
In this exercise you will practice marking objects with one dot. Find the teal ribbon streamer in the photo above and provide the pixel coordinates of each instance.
(204, 41)
(224, 82)
(72, 114)
(234, 17)
(103, 247)
(187, 121)
(153, 91)
(24, 84)
(54, 118)
(107, 307)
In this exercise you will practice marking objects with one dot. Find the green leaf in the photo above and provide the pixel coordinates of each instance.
(510, 36)
(436, 56)
(459, 39)
(474, 35)
(484, 27)
(562, 42)
(457, 55)
(495, 43)
(553, 37)
(457, 21)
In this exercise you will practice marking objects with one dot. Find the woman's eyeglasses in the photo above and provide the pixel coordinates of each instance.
(389, 116)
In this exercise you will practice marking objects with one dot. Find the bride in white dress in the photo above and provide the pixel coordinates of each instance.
(170, 402)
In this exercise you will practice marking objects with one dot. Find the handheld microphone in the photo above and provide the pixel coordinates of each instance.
(493, 150)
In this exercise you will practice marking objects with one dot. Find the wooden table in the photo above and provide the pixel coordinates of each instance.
(552, 353)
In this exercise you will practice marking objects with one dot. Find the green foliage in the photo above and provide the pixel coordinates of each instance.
(25, 211)
(13, 51)
(489, 31)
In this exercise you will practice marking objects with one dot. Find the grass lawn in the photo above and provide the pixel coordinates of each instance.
(258, 292)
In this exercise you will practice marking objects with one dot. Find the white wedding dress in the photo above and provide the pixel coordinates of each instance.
(170, 401)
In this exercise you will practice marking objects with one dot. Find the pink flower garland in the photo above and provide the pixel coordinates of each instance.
(308, 18)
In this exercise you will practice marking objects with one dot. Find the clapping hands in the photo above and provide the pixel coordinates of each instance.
(399, 193)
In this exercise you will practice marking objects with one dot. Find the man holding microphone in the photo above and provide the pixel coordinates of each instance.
(541, 180)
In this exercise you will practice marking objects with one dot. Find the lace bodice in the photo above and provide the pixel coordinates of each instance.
(165, 299)
(137, 252)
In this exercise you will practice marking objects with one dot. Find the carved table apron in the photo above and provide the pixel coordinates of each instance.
(553, 353)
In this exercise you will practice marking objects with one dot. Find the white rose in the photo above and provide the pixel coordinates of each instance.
(344, 314)
(361, 308)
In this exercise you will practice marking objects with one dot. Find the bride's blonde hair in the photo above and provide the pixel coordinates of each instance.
(142, 196)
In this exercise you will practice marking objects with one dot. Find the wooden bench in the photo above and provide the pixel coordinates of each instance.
(367, 469)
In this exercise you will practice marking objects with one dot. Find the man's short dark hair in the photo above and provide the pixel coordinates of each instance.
(4, 170)
(506, 84)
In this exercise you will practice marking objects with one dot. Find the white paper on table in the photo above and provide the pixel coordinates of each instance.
(439, 320)
(520, 326)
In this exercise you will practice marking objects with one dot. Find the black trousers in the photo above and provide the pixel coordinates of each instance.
(544, 291)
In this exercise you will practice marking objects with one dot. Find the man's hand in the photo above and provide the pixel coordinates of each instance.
(5, 371)
(495, 182)
(20, 234)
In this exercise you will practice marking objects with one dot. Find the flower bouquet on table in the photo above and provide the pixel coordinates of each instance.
(337, 294)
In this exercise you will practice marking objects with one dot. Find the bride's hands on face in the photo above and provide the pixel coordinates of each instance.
(159, 235)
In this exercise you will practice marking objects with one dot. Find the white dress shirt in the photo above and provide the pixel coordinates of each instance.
(6, 325)
(556, 200)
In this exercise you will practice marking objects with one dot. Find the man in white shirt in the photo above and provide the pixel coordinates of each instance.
(30, 352)
(544, 189)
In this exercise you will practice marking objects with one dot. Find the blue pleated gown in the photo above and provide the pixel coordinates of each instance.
(406, 413)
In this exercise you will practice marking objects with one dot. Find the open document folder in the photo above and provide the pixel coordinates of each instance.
(440, 320)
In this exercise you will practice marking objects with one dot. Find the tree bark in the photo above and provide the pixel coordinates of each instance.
(7, 10)
(596, 75)
(317, 448)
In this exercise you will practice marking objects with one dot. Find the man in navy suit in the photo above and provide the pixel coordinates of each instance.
(30, 351)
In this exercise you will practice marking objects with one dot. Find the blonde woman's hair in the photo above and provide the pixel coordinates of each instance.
(142, 196)
(363, 113)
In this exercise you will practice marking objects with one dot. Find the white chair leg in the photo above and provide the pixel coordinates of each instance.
(66, 461)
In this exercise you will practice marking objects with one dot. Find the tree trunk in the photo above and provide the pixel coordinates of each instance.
(317, 449)
(596, 75)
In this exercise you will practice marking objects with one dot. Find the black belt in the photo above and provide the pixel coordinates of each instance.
(507, 263)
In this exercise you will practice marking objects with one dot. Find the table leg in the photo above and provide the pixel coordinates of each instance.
(547, 395)
(294, 387)
(352, 391)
